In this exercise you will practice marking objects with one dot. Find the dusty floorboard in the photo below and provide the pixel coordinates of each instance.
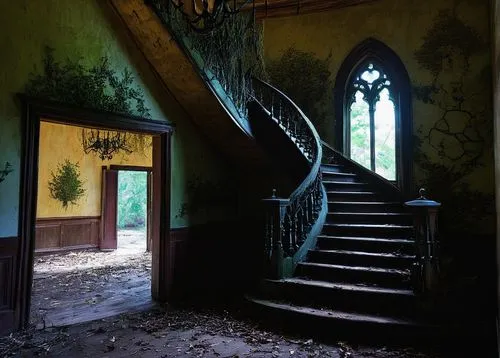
(171, 332)
(82, 286)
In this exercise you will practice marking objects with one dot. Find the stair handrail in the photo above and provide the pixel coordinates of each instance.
(289, 220)
(336, 157)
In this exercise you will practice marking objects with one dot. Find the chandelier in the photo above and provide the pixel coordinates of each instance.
(105, 144)
(206, 15)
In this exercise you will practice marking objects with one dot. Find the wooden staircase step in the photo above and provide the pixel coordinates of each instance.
(377, 226)
(354, 274)
(352, 287)
(353, 196)
(332, 168)
(364, 206)
(371, 230)
(341, 296)
(340, 176)
(361, 258)
(336, 316)
(338, 217)
(367, 244)
(345, 186)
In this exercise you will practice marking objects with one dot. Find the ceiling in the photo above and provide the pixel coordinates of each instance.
(278, 8)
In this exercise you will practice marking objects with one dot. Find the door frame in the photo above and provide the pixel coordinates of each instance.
(149, 204)
(34, 110)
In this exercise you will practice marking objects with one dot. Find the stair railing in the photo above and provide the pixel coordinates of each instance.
(289, 220)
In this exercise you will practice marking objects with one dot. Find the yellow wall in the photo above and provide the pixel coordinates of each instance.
(60, 142)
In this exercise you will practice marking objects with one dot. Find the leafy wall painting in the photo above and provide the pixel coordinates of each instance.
(205, 196)
(306, 80)
(454, 146)
(65, 184)
(5, 171)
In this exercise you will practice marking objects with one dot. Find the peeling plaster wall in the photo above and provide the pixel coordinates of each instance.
(403, 26)
(87, 30)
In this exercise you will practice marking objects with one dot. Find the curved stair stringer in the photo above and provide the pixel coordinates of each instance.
(206, 105)
(312, 236)
(292, 141)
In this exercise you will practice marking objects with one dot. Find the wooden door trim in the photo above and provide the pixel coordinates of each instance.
(36, 110)
(131, 168)
(109, 209)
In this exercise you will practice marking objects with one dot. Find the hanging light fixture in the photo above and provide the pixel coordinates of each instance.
(206, 15)
(105, 144)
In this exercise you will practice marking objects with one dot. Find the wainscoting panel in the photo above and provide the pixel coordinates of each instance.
(8, 255)
(57, 234)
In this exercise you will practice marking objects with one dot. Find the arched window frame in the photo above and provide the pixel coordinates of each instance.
(376, 52)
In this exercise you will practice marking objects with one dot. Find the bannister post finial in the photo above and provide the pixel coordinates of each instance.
(426, 268)
(274, 194)
(422, 192)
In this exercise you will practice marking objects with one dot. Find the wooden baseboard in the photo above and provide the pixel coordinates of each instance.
(67, 233)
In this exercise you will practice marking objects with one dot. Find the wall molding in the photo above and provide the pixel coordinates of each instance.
(67, 233)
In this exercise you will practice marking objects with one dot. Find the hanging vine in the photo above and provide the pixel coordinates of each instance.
(230, 54)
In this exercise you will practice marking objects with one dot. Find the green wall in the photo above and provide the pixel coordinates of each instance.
(88, 30)
(445, 43)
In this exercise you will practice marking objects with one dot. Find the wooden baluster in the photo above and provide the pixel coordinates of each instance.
(300, 227)
(277, 209)
(310, 207)
(306, 212)
(286, 235)
(293, 231)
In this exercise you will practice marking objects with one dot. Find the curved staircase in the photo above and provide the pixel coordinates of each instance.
(359, 272)
(337, 248)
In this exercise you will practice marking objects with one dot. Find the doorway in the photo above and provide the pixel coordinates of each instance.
(78, 276)
(134, 209)
(16, 316)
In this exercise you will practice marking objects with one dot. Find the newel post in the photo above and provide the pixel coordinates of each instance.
(425, 273)
(275, 210)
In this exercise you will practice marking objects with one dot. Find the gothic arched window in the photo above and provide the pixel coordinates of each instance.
(373, 112)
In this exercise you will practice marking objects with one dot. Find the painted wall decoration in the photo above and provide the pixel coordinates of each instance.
(305, 78)
(206, 196)
(65, 184)
(98, 86)
(5, 171)
(460, 140)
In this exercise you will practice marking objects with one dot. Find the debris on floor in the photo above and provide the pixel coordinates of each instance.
(175, 332)
(80, 286)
